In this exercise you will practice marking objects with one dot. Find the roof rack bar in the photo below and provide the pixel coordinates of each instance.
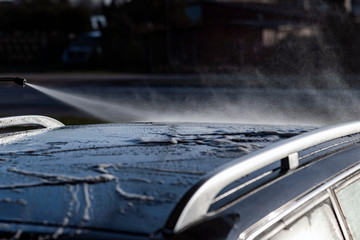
(30, 120)
(195, 204)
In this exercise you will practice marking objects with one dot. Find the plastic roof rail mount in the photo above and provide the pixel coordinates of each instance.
(195, 204)
(30, 120)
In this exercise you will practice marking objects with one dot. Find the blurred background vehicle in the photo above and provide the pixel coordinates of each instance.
(84, 50)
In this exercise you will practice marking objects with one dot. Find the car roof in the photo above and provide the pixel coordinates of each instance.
(135, 173)
(287, 162)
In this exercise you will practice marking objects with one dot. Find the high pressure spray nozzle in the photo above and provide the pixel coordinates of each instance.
(17, 80)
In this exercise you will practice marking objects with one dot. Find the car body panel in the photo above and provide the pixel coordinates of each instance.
(295, 185)
(116, 177)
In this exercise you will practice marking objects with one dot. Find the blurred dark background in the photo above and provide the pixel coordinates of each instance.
(231, 59)
(180, 36)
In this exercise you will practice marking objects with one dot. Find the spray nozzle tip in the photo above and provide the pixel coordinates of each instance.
(20, 81)
(17, 80)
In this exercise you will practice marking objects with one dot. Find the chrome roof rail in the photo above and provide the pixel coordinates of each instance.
(195, 204)
(30, 120)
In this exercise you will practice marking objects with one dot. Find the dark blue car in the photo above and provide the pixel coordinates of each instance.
(178, 181)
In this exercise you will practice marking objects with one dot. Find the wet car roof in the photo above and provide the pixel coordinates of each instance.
(134, 173)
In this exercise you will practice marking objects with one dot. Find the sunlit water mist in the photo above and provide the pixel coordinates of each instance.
(227, 105)
(97, 108)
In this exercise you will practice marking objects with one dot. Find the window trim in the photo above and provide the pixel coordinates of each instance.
(339, 214)
(334, 191)
(299, 212)
(276, 216)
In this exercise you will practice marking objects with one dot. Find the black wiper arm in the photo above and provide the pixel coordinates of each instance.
(17, 80)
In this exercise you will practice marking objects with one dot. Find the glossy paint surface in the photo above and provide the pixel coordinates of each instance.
(115, 177)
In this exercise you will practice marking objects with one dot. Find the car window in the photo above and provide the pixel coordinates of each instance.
(318, 223)
(349, 200)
